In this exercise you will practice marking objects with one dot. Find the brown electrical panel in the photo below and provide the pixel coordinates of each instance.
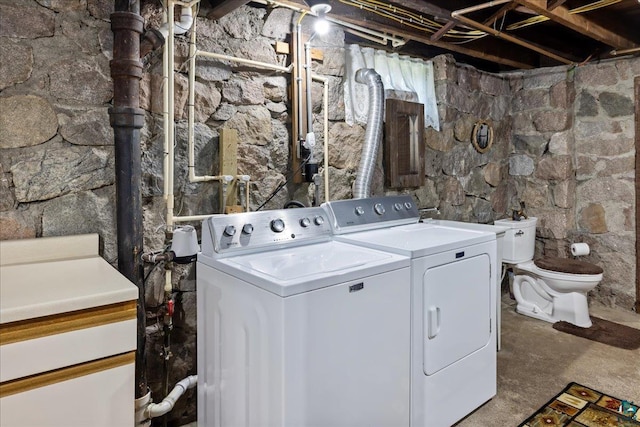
(404, 144)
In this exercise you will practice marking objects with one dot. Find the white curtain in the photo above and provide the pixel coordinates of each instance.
(402, 76)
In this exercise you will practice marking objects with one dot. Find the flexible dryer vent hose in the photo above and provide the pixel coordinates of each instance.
(373, 134)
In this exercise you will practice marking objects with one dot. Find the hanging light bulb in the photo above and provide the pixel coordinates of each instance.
(320, 8)
(321, 25)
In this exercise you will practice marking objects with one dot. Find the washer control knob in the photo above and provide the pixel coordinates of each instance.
(359, 211)
(408, 205)
(318, 220)
(397, 206)
(305, 222)
(247, 229)
(229, 230)
(277, 225)
(379, 208)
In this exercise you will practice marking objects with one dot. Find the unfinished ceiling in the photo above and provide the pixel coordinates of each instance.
(498, 35)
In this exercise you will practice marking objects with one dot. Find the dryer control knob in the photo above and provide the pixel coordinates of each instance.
(359, 211)
(408, 205)
(305, 222)
(318, 220)
(379, 208)
(247, 229)
(229, 230)
(397, 206)
(277, 225)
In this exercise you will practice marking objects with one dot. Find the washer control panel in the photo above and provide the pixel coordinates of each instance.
(352, 215)
(250, 230)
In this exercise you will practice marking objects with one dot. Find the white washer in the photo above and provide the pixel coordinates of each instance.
(453, 328)
(295, 329)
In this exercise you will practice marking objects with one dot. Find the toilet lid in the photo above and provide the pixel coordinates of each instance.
(565, 265)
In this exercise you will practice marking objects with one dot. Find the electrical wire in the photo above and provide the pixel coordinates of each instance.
(410, 19)
(281, 186)
(417, 21)
(586, 8)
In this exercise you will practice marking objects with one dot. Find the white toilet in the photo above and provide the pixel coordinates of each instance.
(550, 289)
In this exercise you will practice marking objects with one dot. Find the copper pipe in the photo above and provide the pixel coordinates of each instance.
(625, 51)
(479, 7)
(458, 14)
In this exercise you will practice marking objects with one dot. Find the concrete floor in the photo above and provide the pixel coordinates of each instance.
(536, 362)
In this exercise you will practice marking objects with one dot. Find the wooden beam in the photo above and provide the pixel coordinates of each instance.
(578, 23)
(229, 166)
(487, 52)
(555, 3)
(499, 13)
(442, 31)
(225, 7)
(283, 49)
(298, 106)
(484, 51)
(426, 8)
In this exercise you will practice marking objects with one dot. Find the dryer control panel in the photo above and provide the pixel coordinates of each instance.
(250, 231)
(352, 215)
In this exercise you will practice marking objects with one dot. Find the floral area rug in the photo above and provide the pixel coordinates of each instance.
(580, 406)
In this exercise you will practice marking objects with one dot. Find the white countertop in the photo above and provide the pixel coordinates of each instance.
(54, 286)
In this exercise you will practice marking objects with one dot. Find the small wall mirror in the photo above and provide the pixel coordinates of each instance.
(482, 136)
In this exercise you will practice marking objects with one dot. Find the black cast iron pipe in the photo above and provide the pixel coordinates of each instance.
(127, 119)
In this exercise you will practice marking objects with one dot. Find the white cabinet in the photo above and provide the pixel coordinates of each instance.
(67, 335)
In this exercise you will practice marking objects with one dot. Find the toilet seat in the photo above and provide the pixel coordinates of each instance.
(566, 265)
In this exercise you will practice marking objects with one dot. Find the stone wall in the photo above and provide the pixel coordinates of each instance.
(465, 184)
(572, 162)
(563, 144)
(57, 159)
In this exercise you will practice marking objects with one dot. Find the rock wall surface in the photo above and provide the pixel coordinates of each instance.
(563, 143)
(572, 162)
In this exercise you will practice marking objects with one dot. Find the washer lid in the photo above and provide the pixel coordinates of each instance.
(417, 240)
(291, 271)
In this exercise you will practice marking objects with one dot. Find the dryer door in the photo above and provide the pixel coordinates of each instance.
(456, 314)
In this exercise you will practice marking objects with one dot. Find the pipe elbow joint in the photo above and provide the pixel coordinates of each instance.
(368, 75)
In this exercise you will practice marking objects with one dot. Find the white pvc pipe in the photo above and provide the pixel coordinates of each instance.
(170, 115)
(188, 218)
(191, 145)
(181, 27)
(158, 409)
(395, 41)
(165, 117)
(245, 61)
(170, 124)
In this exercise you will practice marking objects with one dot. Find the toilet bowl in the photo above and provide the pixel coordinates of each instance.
(550, 289)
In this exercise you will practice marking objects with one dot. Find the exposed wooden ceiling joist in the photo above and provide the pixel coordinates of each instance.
(552, 4)
(511, 42)
(578, 23)
(486, 50)
(500, 13)
(489, 51)
(225, 7)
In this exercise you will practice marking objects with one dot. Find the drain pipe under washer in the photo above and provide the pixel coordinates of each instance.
(373, 134)
(145, 410)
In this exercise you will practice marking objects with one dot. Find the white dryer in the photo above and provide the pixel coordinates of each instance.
(453, 327)
(295, 329)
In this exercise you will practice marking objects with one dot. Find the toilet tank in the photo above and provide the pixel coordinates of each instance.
(519, 240)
